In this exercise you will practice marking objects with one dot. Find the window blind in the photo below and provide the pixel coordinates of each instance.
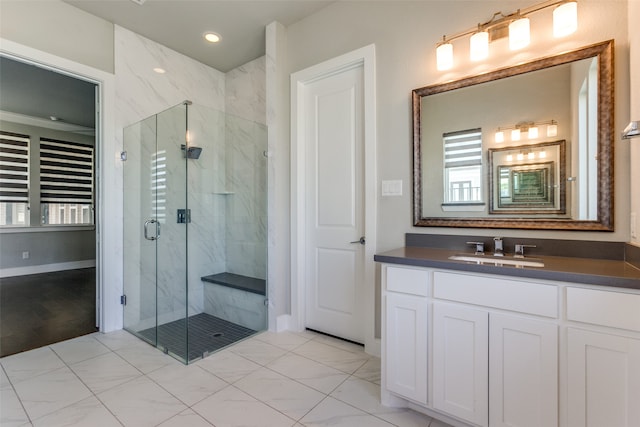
(66, 172)
(14, 167)
(462, 148)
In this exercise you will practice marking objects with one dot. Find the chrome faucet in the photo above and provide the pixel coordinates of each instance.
(519, 252)
(479, 247)
(498, 249)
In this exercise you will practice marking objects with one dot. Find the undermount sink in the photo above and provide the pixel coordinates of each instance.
(499, 260)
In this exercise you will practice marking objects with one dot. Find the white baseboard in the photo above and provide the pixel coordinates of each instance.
(46, 268)
(283, 322)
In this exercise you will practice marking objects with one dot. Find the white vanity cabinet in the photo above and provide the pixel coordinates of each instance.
(603, 358)
(494, 354)
(405, 342)
(486, 350)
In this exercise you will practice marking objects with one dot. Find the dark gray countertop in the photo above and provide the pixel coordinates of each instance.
(602, 272)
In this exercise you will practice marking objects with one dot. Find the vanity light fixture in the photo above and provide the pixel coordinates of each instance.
(514, 25)
(532, 129)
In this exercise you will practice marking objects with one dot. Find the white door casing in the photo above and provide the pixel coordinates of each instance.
(333, 197)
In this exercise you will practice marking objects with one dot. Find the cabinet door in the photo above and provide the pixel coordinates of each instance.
(603, 380)
(523, 372)
(406, 346)
(460, 360)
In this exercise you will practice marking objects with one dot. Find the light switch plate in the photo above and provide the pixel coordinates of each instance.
(392, 188)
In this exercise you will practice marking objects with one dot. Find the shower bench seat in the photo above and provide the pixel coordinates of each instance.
(236, 281)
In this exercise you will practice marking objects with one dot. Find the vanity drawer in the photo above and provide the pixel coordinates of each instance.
(606, 308)
(507, 294)
(408, 280)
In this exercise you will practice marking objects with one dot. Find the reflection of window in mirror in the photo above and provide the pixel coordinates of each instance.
(463, 166)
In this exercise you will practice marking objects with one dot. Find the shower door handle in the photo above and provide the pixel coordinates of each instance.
(146, 229)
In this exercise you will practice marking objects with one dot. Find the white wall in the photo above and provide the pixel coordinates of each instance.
(405, 34)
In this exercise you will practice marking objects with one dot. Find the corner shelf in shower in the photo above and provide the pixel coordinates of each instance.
(236, 281)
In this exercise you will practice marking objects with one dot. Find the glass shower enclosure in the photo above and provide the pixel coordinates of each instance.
(195, 230)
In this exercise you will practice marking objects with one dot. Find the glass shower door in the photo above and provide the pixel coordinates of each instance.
(155, 232)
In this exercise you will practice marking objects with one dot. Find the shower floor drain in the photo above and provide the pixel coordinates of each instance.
(217, 334)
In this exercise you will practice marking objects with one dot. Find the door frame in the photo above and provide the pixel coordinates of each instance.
(364, 57)
(108, 234)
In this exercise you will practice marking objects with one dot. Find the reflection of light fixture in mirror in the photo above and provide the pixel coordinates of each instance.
(509, 157)
(515, 135)
(632, 130)
(532, 129)
(516, 25)
(552, 129)
(531, 155)
(499, 136)
(543, 154)
(520, 156)
(533, 132)
(519, 35)
(444, 56)
(565, 19)
(479, 45)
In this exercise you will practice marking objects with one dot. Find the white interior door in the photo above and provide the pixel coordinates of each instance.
(334, 194)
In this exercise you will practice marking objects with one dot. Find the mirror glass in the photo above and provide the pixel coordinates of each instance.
(528, 146)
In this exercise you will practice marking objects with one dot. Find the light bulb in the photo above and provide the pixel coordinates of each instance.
(543, 154)
(520, 156)
(533, 132)
(479, 46)
(509, 157)
(531, 155)
(519, 36)
(444, 56)
(500, 136)
(565, 19)
(515, 135)
(552, 130)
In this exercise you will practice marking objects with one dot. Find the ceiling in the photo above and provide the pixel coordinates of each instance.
(181, 24)
(31, 94)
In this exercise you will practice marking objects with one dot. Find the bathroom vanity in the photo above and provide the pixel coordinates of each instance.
(485, 345)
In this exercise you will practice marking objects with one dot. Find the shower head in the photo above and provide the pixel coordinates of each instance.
(190, 152)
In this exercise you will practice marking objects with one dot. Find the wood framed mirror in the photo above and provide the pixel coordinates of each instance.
(566, 97)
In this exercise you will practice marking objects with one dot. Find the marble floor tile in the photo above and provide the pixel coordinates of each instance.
(104, 372)
(284, 394)
(29, 364)
(370, 371)
(118, 340)
(285, 340)
(231, 407)
(47, 393)
(140, 403)
(146, 358)
(87, 412)
(257, 351)
(228, 366)
(343, 360)
(190, 383)
(79, 349)
(273, 379)
(11, 410)
(186, 418)
(311, 373)
(332, 412)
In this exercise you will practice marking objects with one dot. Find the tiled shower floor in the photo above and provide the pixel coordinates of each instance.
(206, 334)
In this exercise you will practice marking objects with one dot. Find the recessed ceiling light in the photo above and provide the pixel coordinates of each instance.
(212, 37)
(159, 70)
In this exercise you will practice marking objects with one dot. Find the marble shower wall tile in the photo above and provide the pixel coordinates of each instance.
(245, 91)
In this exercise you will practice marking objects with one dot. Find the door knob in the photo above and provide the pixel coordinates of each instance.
(361, 241)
